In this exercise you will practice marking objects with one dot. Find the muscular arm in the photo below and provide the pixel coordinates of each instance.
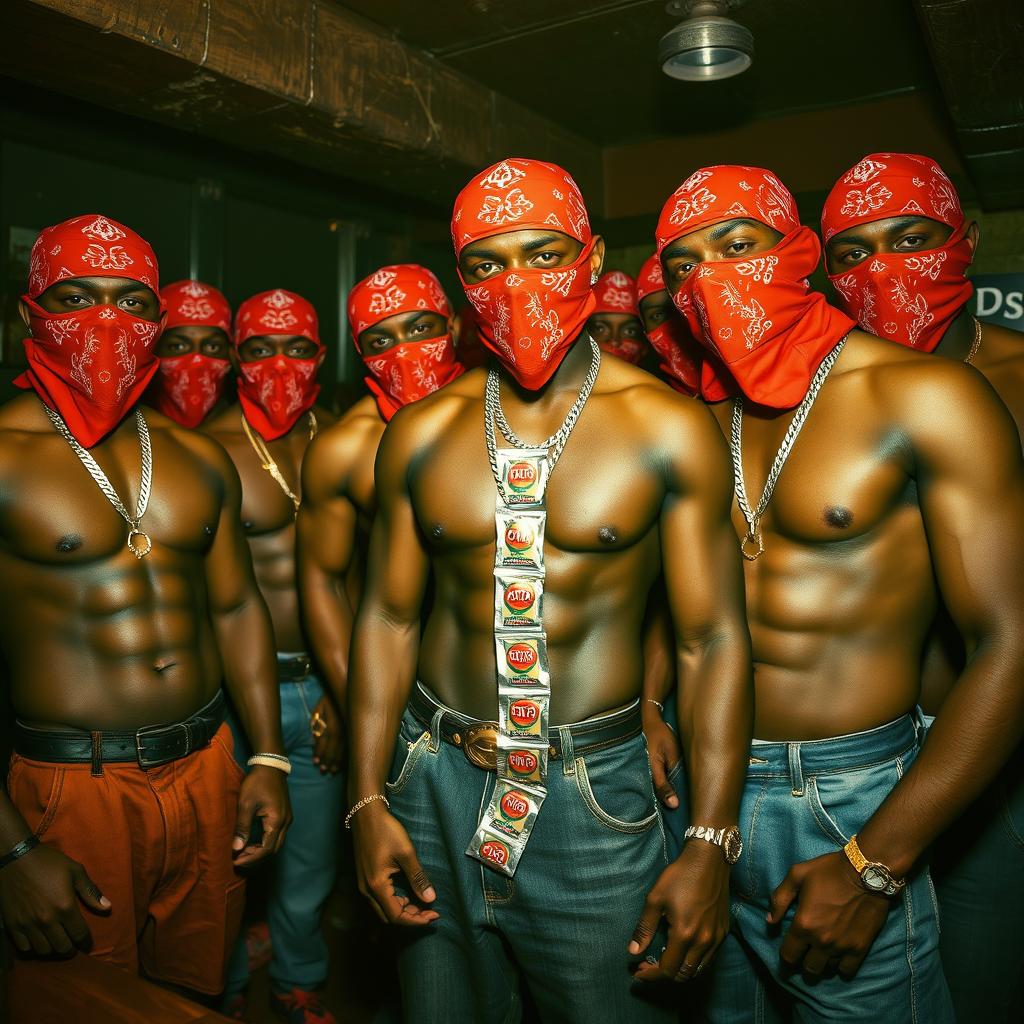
(386, 637)
(704, 582)
(326, 528)
(969, 473)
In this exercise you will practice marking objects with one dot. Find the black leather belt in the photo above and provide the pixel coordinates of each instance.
(150, 746)
(479, 740)
(293, 668)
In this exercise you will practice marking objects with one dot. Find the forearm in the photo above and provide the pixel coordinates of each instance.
(383, 671)
(715, 700)
(980, 725)
(328, 620)
(13, 827)
(245, 636)
(659, 673)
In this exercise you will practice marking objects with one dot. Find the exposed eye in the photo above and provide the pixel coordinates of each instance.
(130, 303)
(216, 349)
(679, 271)
(632, 332)
(911, 242)
(76, 300)
(301, 350)
(853, 256)
(420, 328)
(377, 342)
(546, 258)
(484, 269)
(738, 247)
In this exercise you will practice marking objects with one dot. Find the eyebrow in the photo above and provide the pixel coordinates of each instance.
(723, 229)
(896, 224)
(539, 243)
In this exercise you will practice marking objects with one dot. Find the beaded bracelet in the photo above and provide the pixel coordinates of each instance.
(278, 761)
(360, 804)
(27, 845)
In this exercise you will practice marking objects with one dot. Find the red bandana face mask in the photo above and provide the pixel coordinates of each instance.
(910, 298)
(90, 365)
(615, 292)
(529, 318)
(410, 371)
(756, 315)
(680, 353)
(187, 387)
(276, 391)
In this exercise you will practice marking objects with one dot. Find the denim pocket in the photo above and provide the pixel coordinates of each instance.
(625, 794)
(841, 802)
(414, 751)
(36, 790)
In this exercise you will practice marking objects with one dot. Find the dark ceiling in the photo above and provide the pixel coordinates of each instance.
(809, 54)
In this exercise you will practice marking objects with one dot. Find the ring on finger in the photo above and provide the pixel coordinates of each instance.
(317, 725)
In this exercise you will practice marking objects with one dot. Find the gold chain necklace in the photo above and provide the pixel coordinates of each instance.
(259, 446)
(976, 344)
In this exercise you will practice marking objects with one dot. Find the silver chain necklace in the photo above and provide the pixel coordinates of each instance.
(752, 545)
(144, 545)
(494, 416)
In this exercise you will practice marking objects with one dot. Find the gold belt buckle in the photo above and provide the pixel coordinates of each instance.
(481, 745)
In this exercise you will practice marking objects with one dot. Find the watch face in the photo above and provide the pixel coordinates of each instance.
(875, 878)
(732, 844)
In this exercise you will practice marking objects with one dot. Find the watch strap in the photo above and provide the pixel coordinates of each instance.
(860, 863)
(27, 845)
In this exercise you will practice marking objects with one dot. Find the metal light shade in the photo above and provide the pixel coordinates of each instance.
(704, 49)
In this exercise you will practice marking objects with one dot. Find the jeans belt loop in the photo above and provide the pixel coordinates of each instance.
(435, 730)
(796, 772)
(568, 755)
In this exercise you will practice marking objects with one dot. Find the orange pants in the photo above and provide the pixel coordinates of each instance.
(157, 843)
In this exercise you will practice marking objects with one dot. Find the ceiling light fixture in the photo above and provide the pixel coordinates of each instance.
(706, 46)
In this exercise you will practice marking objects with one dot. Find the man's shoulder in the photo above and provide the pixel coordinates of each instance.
(202, 446)
(438, 408)
(336, 449)
(634, 392)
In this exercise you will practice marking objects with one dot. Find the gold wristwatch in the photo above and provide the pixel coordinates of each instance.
(875, 877)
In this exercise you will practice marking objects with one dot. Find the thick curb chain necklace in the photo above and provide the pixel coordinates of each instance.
(521, 474)
(142, 547)
(976, 344)
(259, 446)
(752, 545)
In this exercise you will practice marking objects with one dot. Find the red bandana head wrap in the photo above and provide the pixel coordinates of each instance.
(408, 372)
(276, 391)
(910, 298)
(528, 317)
(615, 292)
(90, 365)
(757, 315)
(680, 353)
(189, 386)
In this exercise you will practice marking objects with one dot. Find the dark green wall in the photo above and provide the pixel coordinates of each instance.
(243, 222)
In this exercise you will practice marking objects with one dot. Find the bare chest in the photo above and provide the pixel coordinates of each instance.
(267, 507)
(604, 495)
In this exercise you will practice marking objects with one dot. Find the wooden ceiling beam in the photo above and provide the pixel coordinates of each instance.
(305, 80)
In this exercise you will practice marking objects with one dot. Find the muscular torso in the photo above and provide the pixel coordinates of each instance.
(268, 514)
(840, 602)
(602, 547)
(93, 637)
(1000, 358)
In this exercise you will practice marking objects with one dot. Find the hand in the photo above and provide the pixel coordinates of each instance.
(39, 896)
(836, 919)
(383, 849)
(664, 752)
(329, 746)
(692, 894)
(264, 795)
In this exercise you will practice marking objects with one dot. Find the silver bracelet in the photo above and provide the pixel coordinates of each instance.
(656, 703)
(278, 761)
(360, 804)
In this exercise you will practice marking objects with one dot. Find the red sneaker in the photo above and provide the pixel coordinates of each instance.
(301, 1007)
(258, 946)
(234, 1007)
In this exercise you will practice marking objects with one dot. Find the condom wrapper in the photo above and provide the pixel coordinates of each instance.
(517, 601)
(520, 540)
(523, 473)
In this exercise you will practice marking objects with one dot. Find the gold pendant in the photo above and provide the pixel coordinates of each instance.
(136, 548)
(751, 553)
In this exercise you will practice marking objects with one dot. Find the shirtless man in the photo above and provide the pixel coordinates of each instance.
(615, 323)
(193, 351)
(644, 478)
(904, 487)
(116, 635)
(277, 352)
(401, 324)
(897, 263)
(667, 331)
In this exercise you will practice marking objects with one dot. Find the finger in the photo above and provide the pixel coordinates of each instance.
(417, 877)
(850, 964)
(243, 825)
(89, 892)
(21, 941)
(40, 944)
(58, 938)
(794, 947)
(77, 929)
(784, 895)
(367, 892)
(815, 963)
(645, 928)
(667, 794)
(416, 917)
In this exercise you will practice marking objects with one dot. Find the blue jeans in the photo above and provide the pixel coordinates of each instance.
(803, 800)
(978, 867)
(304, 868)
(561, 925)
